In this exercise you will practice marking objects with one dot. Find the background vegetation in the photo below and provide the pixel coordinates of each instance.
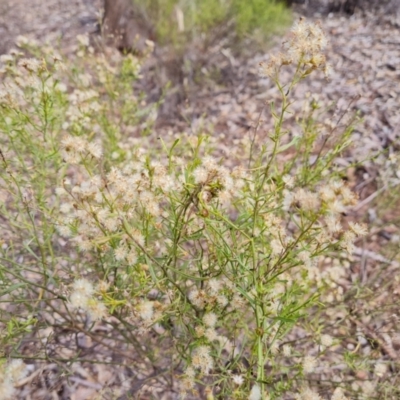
(181, 21)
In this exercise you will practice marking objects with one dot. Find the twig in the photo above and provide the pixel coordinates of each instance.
(3, 158)
(256, 128)
(86, 383)
(359, 252)
(369, 198)
(386, 347)
(32, 376)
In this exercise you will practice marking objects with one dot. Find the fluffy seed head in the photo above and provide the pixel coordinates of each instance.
(309, 364)
(326, 340)
(210, 319)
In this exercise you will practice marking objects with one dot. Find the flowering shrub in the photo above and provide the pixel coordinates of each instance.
(209, 279)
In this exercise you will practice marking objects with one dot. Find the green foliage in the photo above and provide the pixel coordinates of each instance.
(260, 15)
(233, 18)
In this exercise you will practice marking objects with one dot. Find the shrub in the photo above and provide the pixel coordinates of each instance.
(204, 277)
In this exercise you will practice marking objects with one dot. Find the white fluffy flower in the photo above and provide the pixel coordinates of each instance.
(309, 364)
(95, 149)
(146, 310)
(210, 319)
(78, 300)
(202, 360)
(200, 175)
(237, 379)
(255, 393)
(83, 286)
(326, 340)
(96, 309)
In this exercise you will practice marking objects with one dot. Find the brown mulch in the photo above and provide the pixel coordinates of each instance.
(54, 20)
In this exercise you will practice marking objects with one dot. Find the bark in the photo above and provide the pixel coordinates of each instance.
(125, 27)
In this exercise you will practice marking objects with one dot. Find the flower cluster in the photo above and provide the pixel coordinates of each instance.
(76, 149)
(83, 297)
(304, 48)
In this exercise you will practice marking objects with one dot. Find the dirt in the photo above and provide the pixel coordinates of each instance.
(53, 20)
